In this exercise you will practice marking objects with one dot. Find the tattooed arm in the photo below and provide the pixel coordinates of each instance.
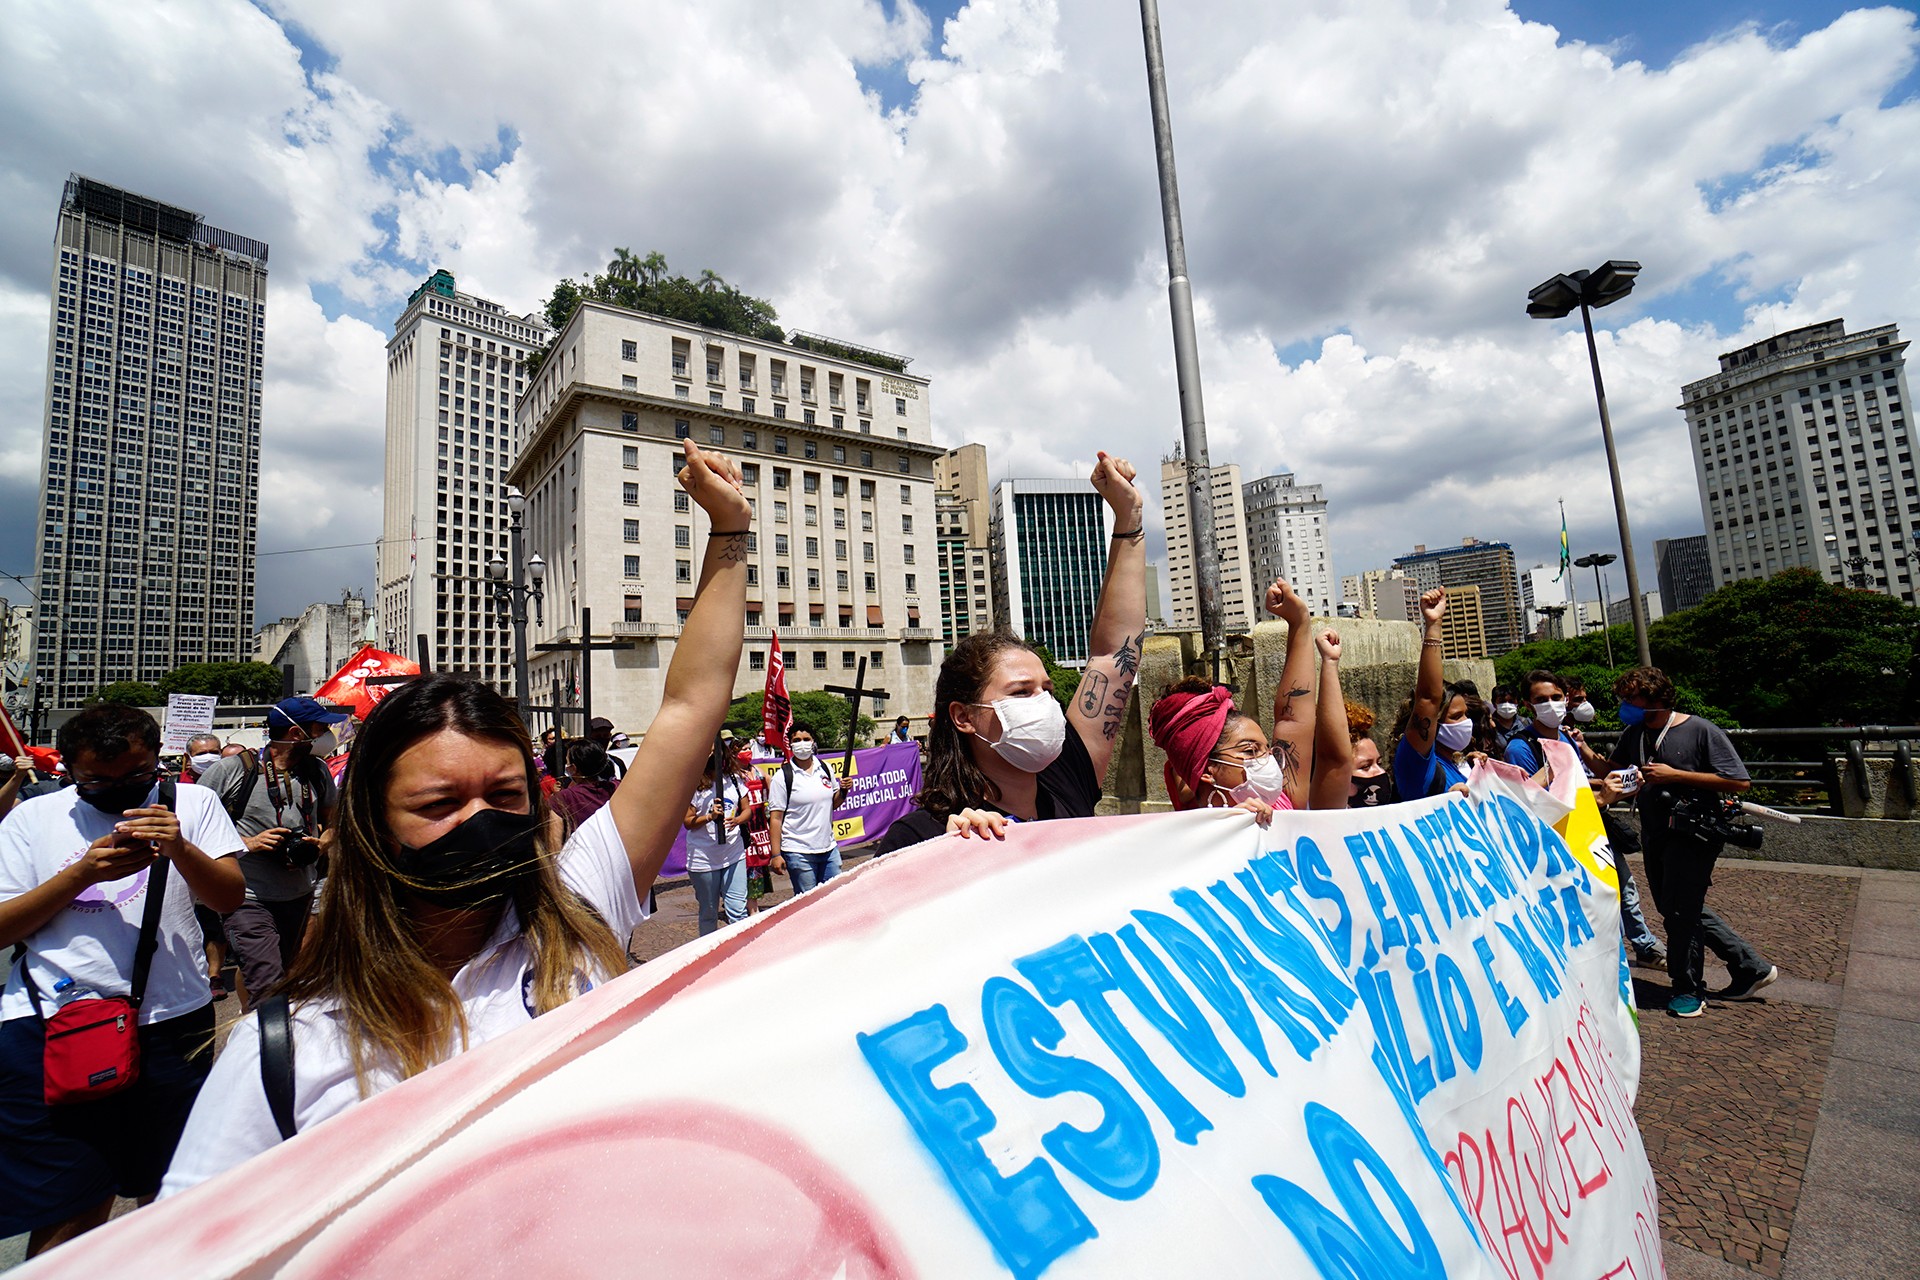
(1430, 683)
(1332, 744)
(1119, 621)
(1293, 701)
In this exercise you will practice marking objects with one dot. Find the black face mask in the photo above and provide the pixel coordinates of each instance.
(479, 862)
(1368, 792)
(117, 797)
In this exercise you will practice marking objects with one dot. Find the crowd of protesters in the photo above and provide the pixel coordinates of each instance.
(459, 879)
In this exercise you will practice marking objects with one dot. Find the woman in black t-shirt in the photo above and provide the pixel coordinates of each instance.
(1000, 746)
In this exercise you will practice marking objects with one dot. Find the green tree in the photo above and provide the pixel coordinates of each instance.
(234, 683)
(746, 716)
(824, 713)
(624, 266)
(131, 693)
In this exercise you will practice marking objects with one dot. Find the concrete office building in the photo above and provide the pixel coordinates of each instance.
(1489, 566)
(317, 641)
(1620, 612)
(1463, 630)
(1538, 588)
(1049, 552)
(1286, 527)
(834, 445)
(1685, 571)
(1386, 594)
(1238, 608)
(150, 466)
(453, 374)
(960, 502)
(1803, 451)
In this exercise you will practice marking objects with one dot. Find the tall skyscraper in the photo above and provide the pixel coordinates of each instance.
(1803, 451)
(1538, 588)
(453, 375)
(1287, 538)
(1488, 566)
(1685, 571)
(1463, 629)
(960, 502)
(1049, 553)
(150, 470)
(1238, 609)
(836, 456)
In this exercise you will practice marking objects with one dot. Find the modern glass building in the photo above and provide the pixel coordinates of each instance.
(150, 469)
(1048, 543)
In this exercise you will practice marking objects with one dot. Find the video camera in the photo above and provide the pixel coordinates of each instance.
(1715, 819)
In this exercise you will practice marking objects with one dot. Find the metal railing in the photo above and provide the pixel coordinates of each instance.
(1785, 778)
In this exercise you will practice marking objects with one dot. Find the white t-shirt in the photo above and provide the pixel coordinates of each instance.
(808, 824)
(703, 852)
(92, 938)
(232, 1121)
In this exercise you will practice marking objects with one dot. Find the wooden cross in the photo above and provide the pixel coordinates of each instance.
(854, 696)
(586, 647)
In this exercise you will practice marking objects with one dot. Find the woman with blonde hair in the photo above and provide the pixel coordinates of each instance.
(449, 916)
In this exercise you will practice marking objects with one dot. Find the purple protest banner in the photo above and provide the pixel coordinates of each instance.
(885, 781)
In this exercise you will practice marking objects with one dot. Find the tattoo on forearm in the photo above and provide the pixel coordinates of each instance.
(1127, 656)
(1423, 725)
(1298, 692)
(1289, 755)
(729, 548)
(1093, 690)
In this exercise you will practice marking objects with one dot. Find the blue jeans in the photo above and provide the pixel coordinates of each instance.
(1633, 921)
(714, 889)
(809, 869)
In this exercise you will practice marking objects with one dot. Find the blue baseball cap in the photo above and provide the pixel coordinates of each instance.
(302, 711)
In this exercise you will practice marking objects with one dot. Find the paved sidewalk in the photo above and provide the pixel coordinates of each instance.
(1784, 1131)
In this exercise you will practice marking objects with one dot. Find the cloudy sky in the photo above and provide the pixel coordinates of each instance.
(1370, 188)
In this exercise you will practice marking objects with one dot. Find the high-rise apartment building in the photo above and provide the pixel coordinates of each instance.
(1238, 609)
(960, 502)
(835, 452)
(1463, 630)
(1803, 450)
(1685, 571)
(150, 469)
(454, 372)
(1386, 594)
(1488, 566)
(1048, 543)
(1620, 612)
(1286, 527)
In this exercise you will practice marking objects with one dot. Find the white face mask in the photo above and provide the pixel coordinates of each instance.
(1583, 713)
(1506, 710)
(202, 763)
(1550, 713)
(1265, 779)
(1454, 735)
(803, 750)
(325, 743)
(1033, 730)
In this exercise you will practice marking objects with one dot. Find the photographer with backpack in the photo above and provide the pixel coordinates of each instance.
(281, 799)
(801, 799)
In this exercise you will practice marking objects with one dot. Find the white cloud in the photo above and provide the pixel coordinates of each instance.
(1374, 182)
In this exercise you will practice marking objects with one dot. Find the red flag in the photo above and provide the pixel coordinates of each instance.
(12, 742)
(776, 714)
(349, 687)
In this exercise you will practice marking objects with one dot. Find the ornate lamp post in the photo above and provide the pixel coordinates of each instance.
(512, 592)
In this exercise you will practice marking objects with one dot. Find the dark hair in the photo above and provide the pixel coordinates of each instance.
(1647, 683)
(798, 727)
(1504, 693)
(952, 780)
(1477, 712)
(1541, 676)
(108, 731)
(588, 756)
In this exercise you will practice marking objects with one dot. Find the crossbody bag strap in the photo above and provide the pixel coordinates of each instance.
(276, 1062)
(156, 902)
(19, 957)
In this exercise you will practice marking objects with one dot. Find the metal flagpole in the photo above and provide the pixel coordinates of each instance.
(1186, 348)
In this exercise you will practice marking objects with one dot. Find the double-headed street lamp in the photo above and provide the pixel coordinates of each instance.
(1596, 562)
(1609, 282)
(510, 594)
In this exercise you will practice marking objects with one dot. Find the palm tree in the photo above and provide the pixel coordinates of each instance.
(654, 267)
(710, 280)
(624, 266)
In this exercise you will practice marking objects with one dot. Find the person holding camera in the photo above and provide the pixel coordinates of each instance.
(281, 799)
(1684, 764)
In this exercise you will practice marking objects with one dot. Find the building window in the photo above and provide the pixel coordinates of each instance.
(811, 448)
(906, 553)
(779, 513)
(913, 583)
(813, 548)
(682, 536)
(866, 457)
(632, 610)
(906, 524)
(782, 578)
(682, 504)
(839, 548)
(756, 658)
(840, 579)
(746, 404)
(630, 530)
(629, 350)
(900, 405)
(780, 544)
(813, 579)
(781, 477)
(683, 571)
(682, 429)
(632, 566)
(629, 383)
(848, 659)
(820, 660)
(906, 465)
(749, 472)
(716, 434)
(630, 457)
(872, 584)
(806, 416)
(779, 410)
(630, 494)
(779, 444)
(713, 399)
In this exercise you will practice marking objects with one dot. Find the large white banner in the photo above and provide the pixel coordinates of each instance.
(1371, 1044)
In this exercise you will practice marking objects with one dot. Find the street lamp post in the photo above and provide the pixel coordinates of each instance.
(510, 594)
(1596, 562)
(1554, 612)
(1609, 282)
